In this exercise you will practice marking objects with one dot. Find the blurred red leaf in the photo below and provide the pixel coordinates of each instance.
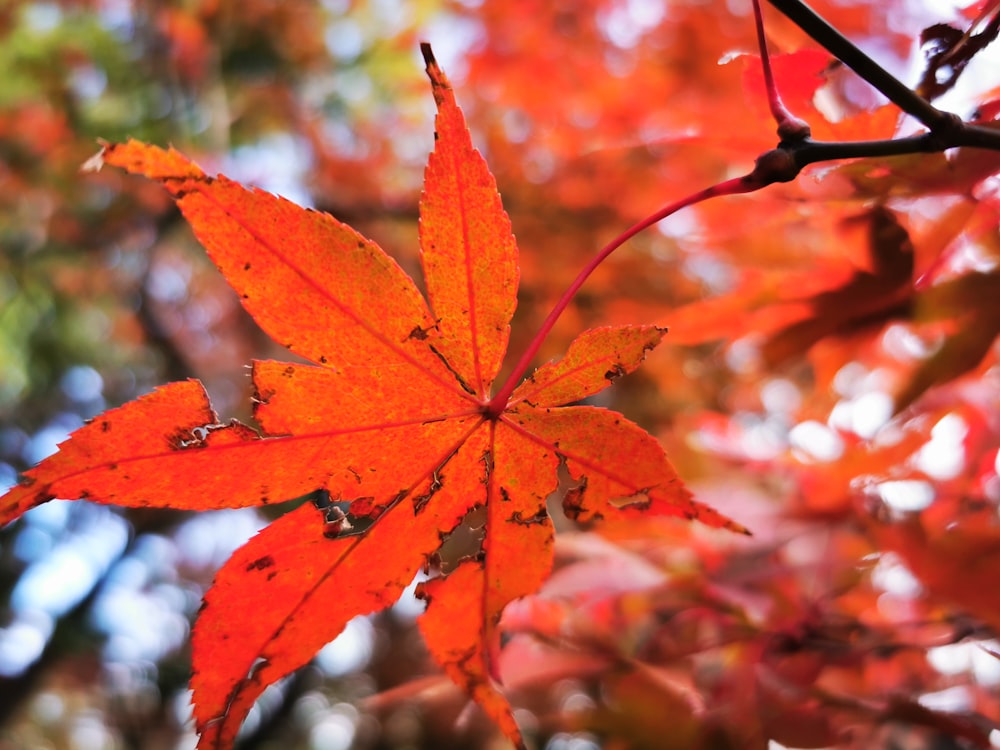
(969, 309)
(956, 563)
(795, 311)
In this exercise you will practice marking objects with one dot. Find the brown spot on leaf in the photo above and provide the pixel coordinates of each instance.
(614, 373)
(261, 563)
(539, 517)
(105, 426)
(487, 460)
(420, 501)
(418, 333)
(573, 502)
(461, 381)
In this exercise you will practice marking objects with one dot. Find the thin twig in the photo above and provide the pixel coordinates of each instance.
(790, 127)
(745, 184)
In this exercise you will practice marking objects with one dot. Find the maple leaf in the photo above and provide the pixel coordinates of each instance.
(394, 418)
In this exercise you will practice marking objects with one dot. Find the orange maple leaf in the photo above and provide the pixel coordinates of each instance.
(395, 417)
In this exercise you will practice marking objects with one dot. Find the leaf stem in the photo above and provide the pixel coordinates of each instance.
(746, 184)
(790, 127)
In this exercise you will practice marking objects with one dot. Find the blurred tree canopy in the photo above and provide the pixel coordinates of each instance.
(864, 611)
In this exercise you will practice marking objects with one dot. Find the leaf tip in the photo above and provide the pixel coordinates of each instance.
(95, 162)
(428, 53)
(438, 79)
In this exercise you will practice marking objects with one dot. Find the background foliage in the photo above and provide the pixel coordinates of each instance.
(864, 610)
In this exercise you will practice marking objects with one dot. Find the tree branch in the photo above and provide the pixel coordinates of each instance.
(947, 130)
(848, 53)
(794, 151)
(810, 152)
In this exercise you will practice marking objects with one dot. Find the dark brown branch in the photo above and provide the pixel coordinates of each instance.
(853, 57)
(947, 130)
(784, 162)
(809, 151)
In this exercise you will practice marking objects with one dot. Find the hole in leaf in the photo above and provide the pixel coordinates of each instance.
(464, 542)
(637, 500)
